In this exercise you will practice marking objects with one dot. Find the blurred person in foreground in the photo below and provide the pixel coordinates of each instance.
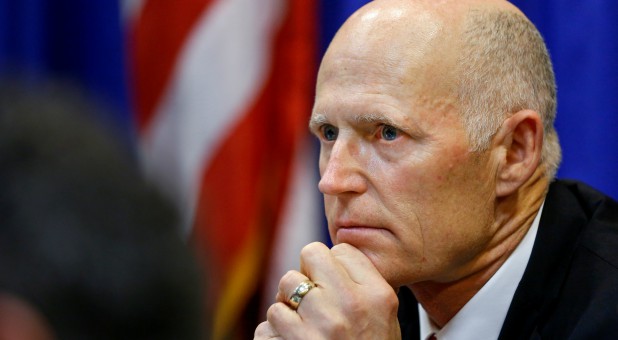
(88, 249)
(438, 156)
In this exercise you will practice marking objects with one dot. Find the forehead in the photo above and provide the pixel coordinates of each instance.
(387, 57)
(381, 42)
(357, 88)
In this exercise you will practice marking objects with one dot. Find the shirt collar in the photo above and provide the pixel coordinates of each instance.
(482, 317)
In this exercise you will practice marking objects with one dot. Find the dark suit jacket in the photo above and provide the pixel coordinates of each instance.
(570, 287)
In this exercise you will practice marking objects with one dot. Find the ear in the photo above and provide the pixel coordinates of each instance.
(521, 136)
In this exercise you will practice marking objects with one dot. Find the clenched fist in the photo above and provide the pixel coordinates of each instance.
(351, 300)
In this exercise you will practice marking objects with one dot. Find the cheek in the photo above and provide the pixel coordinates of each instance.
(329, 203)
(408, 184)
(425, 195)
(329, 209)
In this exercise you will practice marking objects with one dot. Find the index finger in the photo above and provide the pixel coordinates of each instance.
(357, 265)
(320, 263)
(266, 331)
(320, 266)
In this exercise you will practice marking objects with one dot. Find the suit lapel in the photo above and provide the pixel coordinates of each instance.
(557, 237)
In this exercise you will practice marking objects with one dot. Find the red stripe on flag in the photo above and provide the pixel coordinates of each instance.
(158, 37)
(244, 186)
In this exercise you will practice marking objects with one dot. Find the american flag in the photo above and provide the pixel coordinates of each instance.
(217, 94)
(223, 94)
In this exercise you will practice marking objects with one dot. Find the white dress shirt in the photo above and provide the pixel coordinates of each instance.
(482, 317)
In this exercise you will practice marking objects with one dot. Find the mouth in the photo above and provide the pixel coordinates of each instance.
(361, 235)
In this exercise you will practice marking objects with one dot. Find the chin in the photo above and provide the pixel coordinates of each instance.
(385, 268)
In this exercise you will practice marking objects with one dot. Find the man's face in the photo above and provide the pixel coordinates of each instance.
(398, 180)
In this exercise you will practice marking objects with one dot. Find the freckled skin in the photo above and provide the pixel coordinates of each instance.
(425, 187)
(407, 203)
(427, 212)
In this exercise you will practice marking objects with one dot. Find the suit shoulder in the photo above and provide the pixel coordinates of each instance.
(599, 214)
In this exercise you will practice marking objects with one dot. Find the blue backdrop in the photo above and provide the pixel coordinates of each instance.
(79, 42)
(582, 37)
(83, 41)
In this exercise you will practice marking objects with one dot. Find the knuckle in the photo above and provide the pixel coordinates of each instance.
(312, 249)
(383, 296)
(341, 248)
(390, 300)
(273, 312)
(287, 278)
(261, 330)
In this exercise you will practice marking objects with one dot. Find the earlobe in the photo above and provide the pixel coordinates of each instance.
(521, 136)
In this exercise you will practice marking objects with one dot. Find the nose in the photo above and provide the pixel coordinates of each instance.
(342, 170)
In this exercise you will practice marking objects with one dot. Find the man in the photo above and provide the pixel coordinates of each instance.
(437, 152)
(88, 249)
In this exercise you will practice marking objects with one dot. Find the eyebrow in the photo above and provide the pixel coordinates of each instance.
(376, 118)
(316, 120)
(319, 119)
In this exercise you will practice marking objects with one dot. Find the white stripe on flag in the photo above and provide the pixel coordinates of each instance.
(222, 68)
(300, 223)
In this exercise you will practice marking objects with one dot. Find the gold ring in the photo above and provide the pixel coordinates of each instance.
(301, 290)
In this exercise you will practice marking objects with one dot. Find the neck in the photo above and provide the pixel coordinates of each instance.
(513, 217)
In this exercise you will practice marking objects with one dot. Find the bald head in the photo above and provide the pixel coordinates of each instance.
(401, 39)
(398, 30)
(481, 58)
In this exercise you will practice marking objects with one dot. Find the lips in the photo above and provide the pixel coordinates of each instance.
(360, 234)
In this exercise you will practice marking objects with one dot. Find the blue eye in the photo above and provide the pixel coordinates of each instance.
(389, 133)
(330, 132)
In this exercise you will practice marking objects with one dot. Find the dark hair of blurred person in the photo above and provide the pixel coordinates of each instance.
(88, 249)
